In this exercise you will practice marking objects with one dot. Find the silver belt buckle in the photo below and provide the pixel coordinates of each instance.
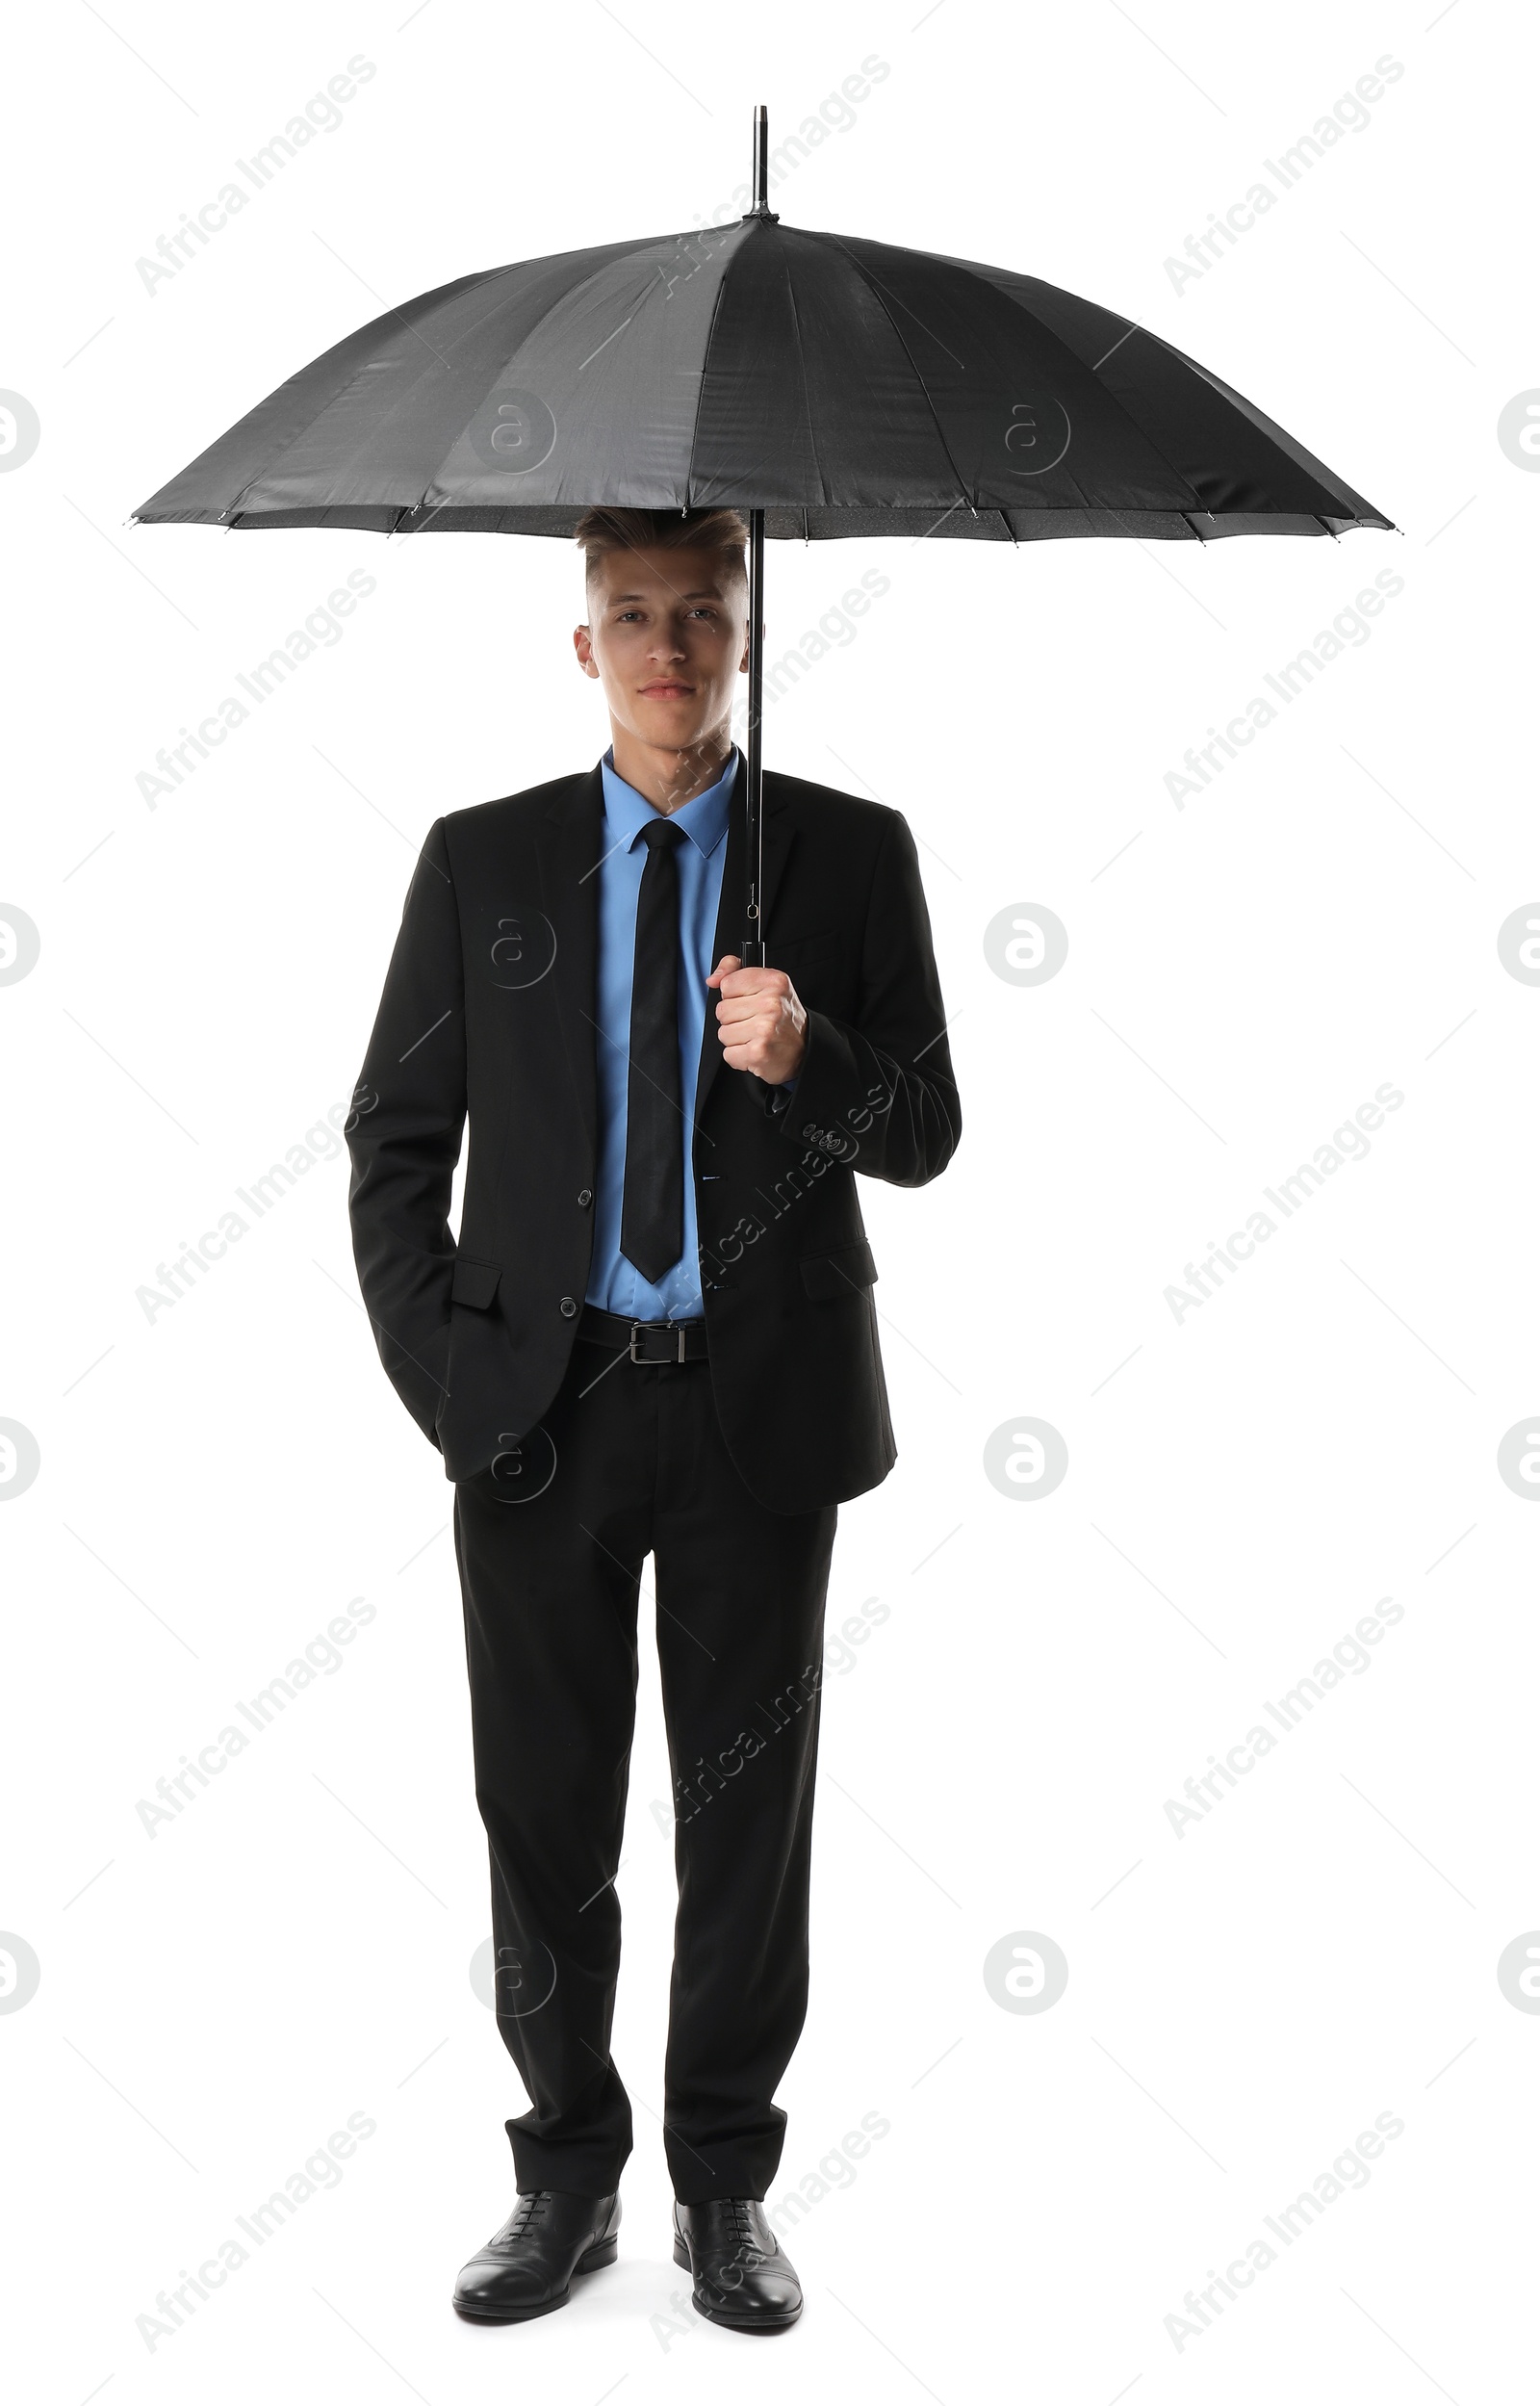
(637, 1327)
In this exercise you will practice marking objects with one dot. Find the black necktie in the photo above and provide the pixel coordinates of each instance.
(651, 1223)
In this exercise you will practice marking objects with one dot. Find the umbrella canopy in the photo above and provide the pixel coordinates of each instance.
(843, 386)
(825, 384)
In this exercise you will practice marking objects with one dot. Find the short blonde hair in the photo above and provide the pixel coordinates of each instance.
(725, 531)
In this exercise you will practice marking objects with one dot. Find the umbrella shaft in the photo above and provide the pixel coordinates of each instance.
(754, 817)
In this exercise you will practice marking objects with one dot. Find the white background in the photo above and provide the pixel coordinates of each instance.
(1243, 1483)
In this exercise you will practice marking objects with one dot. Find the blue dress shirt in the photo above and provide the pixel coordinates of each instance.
(614, 1283)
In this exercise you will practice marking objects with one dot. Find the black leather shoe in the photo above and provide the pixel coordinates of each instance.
(740, 2276)
(526, 2268)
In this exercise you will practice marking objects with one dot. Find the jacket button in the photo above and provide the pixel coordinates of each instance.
(569, 1310)
(585, 1198)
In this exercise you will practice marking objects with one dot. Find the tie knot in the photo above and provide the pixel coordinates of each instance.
(660, 833)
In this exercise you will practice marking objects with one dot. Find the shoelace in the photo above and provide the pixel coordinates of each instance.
(748, 2251)
(527, 2211)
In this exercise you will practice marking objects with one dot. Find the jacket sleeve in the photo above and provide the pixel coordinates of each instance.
(403, 1136)
(878, 1094)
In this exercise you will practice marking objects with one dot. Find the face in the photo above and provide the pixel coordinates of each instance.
(667, 638)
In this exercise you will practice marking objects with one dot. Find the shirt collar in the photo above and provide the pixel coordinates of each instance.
(704, 818)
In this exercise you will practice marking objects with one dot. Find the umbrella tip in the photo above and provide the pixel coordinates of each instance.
(759, 174)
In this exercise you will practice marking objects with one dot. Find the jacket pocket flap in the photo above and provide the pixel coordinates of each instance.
(841, 1273)
(475, 1282)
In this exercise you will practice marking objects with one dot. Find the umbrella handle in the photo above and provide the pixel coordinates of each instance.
(754, 784)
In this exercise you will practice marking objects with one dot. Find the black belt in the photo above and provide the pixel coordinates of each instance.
(644, 1340)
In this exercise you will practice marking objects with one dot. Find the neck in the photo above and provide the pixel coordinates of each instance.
(669, 778)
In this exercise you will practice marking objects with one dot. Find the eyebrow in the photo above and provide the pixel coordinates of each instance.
(700, 593)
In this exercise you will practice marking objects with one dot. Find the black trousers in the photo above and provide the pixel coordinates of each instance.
(551, 1540)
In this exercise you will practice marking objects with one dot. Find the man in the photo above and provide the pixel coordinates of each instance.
(654, 1333)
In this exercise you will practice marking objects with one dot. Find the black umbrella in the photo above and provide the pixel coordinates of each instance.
(825, 384)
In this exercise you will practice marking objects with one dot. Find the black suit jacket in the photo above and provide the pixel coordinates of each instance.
(488, 1013)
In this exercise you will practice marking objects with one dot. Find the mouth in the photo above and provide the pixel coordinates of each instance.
(668, 688)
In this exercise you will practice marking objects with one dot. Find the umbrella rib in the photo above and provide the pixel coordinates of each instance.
(443, 295)
(700, 389)
(527, 336)
(1086, 501)
(940, 434)
(1280, 440)
(972, 269)
(806, 402)
(628, 252)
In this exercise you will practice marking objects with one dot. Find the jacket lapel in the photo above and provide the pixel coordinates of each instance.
(570, 842)
(778, 841)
